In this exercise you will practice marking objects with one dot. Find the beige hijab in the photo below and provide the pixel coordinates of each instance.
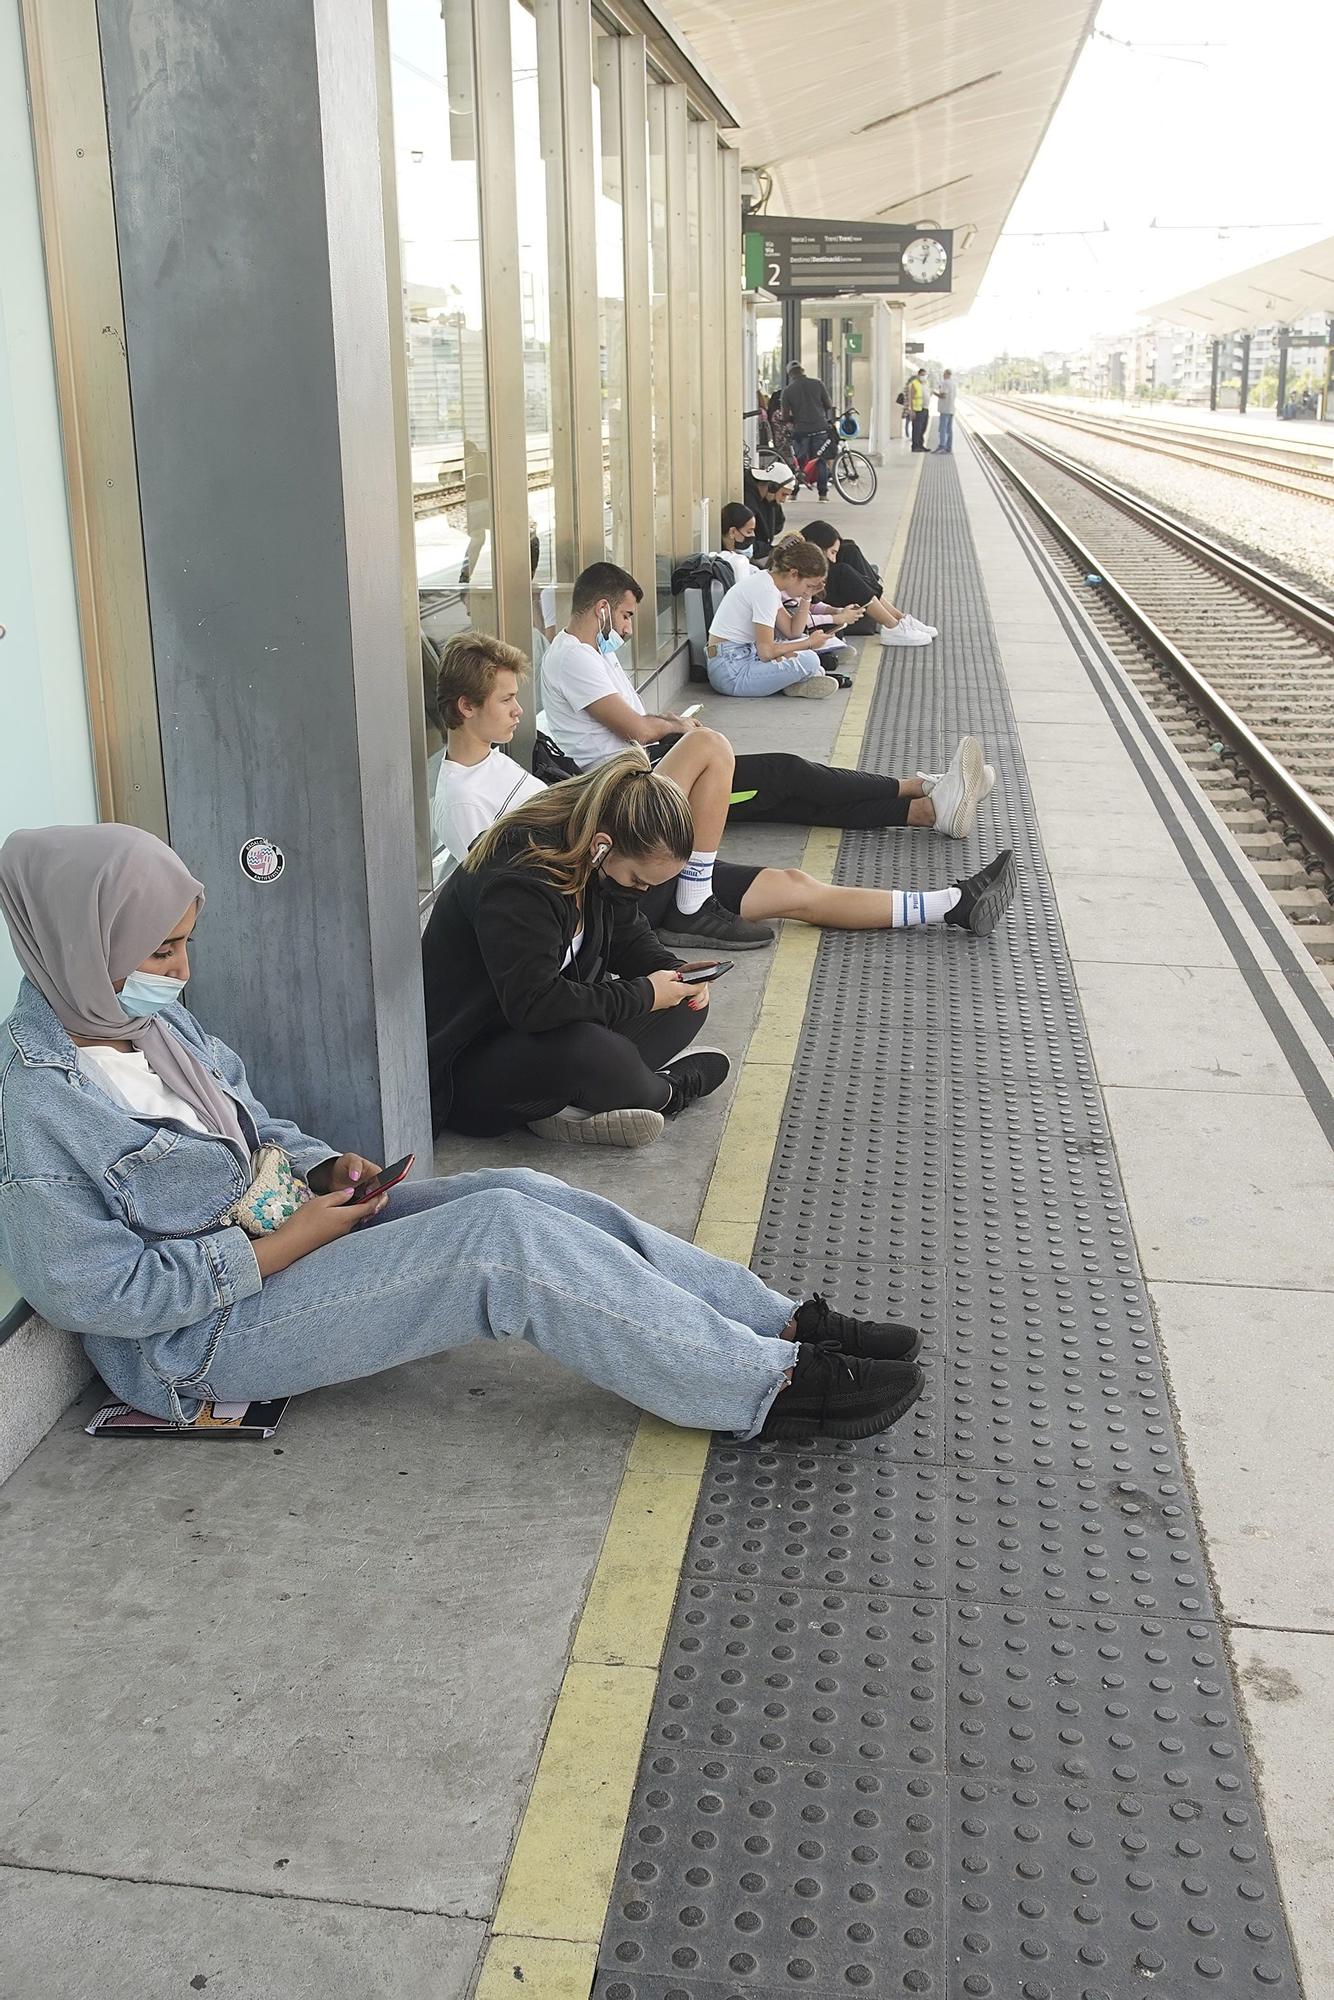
(85, 905)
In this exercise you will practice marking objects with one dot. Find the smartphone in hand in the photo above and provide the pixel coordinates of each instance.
(706, 972)
(386, 1178)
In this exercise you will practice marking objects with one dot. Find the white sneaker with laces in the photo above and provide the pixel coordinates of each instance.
(900, 635)
(958, 791)
(930, 779)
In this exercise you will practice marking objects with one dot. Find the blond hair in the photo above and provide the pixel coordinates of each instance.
(641, 811)
(470, 665)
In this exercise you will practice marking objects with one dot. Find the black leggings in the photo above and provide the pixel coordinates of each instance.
(795, 792)
(514, 1078)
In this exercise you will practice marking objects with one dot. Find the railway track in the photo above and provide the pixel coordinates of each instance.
(1238, 664)
(1264, 462)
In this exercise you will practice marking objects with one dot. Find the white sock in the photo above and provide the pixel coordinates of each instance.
(694, 885)
(921, 906)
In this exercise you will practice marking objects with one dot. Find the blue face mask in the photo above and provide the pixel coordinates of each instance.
(609, 642)
(147, 993)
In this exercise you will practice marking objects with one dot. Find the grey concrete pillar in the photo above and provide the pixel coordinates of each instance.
(246, 165)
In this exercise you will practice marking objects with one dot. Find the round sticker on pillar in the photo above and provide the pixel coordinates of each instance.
(262, 860)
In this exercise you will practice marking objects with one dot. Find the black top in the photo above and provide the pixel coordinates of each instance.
(493, 953)
(769, 517)
(806, 403)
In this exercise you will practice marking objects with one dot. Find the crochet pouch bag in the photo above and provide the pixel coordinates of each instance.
(276, 1192)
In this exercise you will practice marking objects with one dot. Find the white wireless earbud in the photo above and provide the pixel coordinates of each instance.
(602, 850)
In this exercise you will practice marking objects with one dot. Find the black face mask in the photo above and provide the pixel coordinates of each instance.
(615, 891)
(741, 547)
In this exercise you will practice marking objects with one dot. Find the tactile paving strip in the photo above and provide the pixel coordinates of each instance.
(947, 1712)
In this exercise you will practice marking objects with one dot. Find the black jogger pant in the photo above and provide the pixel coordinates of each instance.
(771, 785)
(514, 1078)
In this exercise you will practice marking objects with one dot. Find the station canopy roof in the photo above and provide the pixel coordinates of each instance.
(894, 110)
(1301, 281)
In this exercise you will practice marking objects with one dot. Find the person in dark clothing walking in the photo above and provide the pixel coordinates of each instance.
(807, 407)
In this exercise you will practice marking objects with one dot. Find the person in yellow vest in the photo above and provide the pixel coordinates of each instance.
(917, 408)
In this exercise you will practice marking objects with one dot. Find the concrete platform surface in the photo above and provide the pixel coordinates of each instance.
(272, 1712)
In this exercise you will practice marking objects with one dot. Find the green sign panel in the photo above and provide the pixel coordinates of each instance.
(854, 343)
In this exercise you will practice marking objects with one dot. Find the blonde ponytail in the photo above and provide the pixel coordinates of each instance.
(640, 810)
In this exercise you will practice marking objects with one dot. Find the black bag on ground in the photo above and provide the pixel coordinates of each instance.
(703, 582)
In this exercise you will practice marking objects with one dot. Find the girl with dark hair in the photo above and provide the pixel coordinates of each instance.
(851, 580)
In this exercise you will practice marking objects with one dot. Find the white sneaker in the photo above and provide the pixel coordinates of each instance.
(958, 791)
(900, 635)
(572, 1127)
(930, 779)
(916, 625)
(818, 688)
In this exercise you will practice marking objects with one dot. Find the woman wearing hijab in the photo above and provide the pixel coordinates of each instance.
(206, 1250)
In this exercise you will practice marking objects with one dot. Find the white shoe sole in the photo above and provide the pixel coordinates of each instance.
(626, 1129)
(968, 765)
(818, 688)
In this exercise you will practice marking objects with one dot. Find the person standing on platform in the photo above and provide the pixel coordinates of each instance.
(946, 396)
(916, 393)
(809, 413)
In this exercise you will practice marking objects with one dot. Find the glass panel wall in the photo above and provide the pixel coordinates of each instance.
(46, 763)
(660, 333)
(611, 294)
(435, 156)
(534, 152)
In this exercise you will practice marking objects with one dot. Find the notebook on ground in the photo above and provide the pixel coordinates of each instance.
(215, 1420)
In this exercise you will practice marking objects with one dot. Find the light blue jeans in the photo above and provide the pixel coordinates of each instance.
(945, 431)
(500, 1255)
(738, 669)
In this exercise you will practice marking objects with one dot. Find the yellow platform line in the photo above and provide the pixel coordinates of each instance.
(553, 1905)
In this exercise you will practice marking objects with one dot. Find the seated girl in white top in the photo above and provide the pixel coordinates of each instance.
(761, 646)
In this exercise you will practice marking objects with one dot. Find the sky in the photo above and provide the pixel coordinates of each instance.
(1219, 115)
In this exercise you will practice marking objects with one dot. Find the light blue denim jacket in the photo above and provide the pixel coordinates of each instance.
(108, 1221)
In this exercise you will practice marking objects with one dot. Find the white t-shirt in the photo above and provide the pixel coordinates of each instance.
(136, 1086)
(546, 601)
(471, 797)
(947, 395)
(754, 599)
(740, 562)
(573, 675)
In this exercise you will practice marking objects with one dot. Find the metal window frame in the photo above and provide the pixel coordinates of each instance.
(565, 89)
(710, 332)
(638, 324)
(62, 52)
(502, 324)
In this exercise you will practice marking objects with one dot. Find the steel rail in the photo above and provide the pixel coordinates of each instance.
(1286, 791)
(1213, 457)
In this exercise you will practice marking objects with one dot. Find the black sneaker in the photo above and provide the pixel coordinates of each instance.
(840, 1395)
(696, 1074)
(712, 925)
(868, 1339)
(839, 680)
(985, 897)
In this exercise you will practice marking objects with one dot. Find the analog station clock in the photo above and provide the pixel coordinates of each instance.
(925, 260)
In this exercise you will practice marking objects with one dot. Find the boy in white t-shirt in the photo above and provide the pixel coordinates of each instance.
(593, 711)
(478, 784)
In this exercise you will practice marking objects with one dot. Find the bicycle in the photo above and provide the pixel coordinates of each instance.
(853, 476)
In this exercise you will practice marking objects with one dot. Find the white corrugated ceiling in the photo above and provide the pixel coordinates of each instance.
(1300, 282)
(894, 110)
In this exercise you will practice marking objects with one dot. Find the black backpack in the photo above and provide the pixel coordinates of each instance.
(703, 581)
